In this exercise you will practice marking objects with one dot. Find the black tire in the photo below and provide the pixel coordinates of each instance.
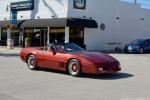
(31, 62)
(74, 68)
(126, 50)
(141, 50)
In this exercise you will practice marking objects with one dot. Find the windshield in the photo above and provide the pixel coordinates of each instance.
(137, 42)
(68, 47)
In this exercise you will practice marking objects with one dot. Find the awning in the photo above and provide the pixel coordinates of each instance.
(54, 22)
(88, 23)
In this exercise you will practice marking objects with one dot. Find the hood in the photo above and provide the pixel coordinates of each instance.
(97, 57)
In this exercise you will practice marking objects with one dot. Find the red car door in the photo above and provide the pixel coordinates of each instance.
(47, 59)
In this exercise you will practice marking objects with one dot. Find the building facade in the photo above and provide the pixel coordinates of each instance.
(94, 24)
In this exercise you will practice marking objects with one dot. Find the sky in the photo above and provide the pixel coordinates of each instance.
(144, 3)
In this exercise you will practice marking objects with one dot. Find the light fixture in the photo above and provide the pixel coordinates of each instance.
(38, 17)
(90, 17)
(7, 8)
(5, 18)
(117, 18)
(52, 16)
(102, 26)
(142, 19)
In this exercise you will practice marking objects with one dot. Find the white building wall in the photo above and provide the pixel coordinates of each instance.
(0, 34)
(49, 8)
(4, 11)
(43, 9)
(127, 28)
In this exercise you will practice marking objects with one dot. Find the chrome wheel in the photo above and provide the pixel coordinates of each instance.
(31, 62)
(74, 68)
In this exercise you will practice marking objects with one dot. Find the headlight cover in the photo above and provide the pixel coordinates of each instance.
(133, 47)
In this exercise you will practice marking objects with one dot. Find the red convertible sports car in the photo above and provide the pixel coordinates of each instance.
(70, 58)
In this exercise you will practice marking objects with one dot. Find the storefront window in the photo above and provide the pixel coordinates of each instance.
(57, 34)
(28, 32)
(3, 41)
(77, 36)
(15, 36)
(35, 37)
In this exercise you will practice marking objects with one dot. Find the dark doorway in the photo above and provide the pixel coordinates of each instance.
(77, 36)
(15, 36)
(3, 41)
(39, 37)
(57, 34)
(36, 36)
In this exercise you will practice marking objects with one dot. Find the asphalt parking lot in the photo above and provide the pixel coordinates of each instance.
(17, 82)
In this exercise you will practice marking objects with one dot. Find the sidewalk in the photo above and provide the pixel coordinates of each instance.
(5, 52)
(5, 48)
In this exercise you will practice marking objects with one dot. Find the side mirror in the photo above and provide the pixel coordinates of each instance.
(53, 49)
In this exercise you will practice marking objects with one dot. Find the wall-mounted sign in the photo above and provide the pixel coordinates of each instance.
(79, 4)
(14, 17)
(102, 26)
(22, 5)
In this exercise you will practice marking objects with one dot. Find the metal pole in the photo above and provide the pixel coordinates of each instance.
(9, 40)
(135, 1)
(21, 37)
(66, 34)
(40, 37)
(44, 37)
(0, 33)
(48, 32)
(8, 33)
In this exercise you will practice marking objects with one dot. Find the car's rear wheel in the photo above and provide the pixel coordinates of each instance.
(74, 68)
(31, 62)
(141, 50)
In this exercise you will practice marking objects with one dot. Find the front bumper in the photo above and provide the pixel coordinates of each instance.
(133, 51)
(130, 49)
(101, 69)
(109, 70)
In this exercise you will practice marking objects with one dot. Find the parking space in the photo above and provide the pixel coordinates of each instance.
(17, 82)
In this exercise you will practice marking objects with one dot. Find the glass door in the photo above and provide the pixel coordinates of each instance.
(57, 34)
(77, 36)
(39, 37)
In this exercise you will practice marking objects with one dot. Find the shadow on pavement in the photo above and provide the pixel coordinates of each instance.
(52, 71)
(114, 76)
(9, 55)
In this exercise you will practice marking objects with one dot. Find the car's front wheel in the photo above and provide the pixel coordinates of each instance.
(31, 62)
(74, 68)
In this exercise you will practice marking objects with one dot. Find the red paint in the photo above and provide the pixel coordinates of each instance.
(91, 62)
(74, 68)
